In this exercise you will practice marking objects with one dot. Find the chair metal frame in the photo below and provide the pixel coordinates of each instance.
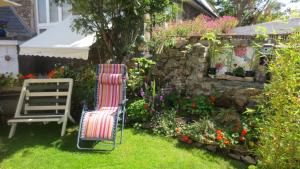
(119, 116)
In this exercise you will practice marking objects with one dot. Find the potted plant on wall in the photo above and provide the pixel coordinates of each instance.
(250, 74)
(3, 26)
(214, 50)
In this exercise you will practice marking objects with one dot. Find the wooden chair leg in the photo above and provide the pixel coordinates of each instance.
(63, 129)
(12, 130)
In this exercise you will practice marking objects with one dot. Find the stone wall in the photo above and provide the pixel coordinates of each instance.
(184, 68)
(27, 12)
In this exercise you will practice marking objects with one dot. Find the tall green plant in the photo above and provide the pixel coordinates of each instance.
(280, 129)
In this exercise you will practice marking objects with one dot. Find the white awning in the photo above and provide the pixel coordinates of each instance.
(59, 41)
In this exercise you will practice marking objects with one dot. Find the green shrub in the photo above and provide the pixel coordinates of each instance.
(280, 130)
(239, 72)
(138, 112)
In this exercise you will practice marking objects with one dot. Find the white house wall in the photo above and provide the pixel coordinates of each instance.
(12, 65)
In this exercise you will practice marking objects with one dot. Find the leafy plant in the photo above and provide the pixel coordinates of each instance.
(202, 130)
(280, 138)
(239, 72)
(138, 75)
(164, 123)
(196, 107)
(138, 111)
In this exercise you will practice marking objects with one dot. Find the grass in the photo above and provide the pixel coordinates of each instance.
(39, 146)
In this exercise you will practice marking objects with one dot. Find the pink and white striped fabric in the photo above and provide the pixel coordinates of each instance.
(98, 124)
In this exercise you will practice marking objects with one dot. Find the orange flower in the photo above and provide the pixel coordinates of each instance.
(51, 74)
(220, 137)
(218, 131)
(194, 105)
(146, 106)
(178, 130)
(226, 141)
(212, 99)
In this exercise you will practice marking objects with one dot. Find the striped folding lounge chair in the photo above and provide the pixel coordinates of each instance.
(100, 124)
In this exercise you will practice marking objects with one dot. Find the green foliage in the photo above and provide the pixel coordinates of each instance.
(138, 112)
(117, 23)
(138, 75)
(198, 106)
(164, 124)
(250, 12)
(239, 72)
(280, 138)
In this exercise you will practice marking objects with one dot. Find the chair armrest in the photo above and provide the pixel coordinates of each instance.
(85, 107)
(123, 102)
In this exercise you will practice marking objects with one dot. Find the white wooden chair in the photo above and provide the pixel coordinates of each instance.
(43, 100)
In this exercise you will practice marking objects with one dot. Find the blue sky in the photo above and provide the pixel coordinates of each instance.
(288, 4)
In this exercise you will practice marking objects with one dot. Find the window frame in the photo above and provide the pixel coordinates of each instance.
(48, 24)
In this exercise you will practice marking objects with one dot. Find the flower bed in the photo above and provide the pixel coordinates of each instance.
(195, 120)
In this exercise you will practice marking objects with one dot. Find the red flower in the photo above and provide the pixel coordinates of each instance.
(242, 139)
(219, 137)
(194, 105)
(178, 130)
(185, 138)
(244, 132)
(28, 76)
(190, 141)
(226, 142)
(218, 132)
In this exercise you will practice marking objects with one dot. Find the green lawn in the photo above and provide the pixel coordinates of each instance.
(39, 146)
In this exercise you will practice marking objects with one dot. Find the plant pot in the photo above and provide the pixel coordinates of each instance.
(229, 73)
(2, 33)
(249, 74)
(212, 71)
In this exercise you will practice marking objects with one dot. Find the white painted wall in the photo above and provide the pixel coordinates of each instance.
(9, 47)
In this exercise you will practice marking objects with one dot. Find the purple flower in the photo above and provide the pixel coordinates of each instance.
(142, 92)
(161, 98)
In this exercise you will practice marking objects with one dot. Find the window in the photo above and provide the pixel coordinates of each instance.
(66, 8)
(42, 11)
(50, 13)
(53, 11)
